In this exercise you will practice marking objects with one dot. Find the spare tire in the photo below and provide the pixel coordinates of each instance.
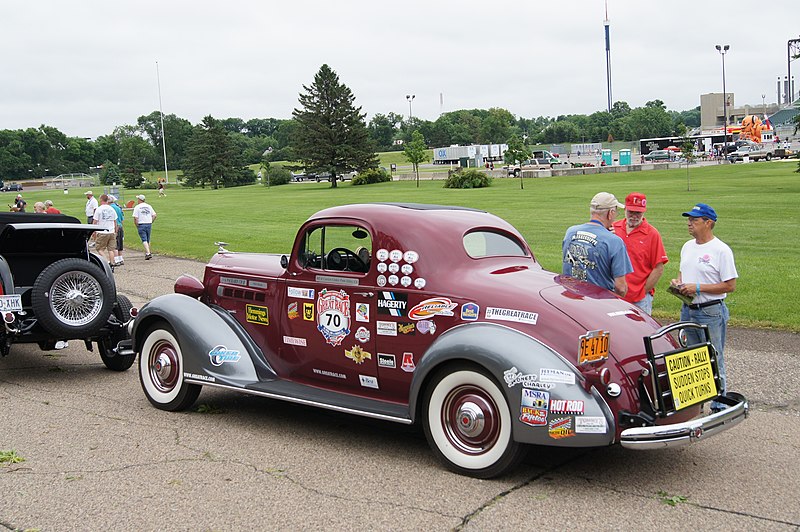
(72, 298)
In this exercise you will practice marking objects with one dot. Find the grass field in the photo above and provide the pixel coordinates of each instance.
(757, 206)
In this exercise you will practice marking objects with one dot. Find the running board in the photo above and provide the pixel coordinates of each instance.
(316, 397)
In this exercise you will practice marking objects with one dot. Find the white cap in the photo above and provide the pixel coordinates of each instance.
(140, 197)
(88, 193)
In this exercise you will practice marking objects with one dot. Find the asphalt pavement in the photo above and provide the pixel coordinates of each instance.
(97, 456)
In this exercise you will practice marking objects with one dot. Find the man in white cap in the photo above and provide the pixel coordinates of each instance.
(593, 253)
(91, 206)
(143, 216)
(19, 204)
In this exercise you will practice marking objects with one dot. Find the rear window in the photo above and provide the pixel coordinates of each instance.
(480, 244)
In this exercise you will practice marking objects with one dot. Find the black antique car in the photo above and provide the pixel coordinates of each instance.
(52, 289)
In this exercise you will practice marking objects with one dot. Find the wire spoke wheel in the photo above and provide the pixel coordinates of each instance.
(76, 298)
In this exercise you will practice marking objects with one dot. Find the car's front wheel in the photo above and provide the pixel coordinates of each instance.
(468, 424)
(161, 370)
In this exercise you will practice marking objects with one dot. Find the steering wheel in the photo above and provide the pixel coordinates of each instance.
(339, 259)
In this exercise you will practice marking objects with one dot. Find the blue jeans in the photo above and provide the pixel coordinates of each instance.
(716, 317)
(144, 232)
(646, 304)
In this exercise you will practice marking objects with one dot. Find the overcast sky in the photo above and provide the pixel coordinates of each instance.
(90, 65)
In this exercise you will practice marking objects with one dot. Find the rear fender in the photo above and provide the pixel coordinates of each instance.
(519, 362)
(202, 334)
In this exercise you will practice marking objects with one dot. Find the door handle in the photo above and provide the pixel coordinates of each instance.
(364, 294)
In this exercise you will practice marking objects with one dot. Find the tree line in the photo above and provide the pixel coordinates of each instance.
(327, 132)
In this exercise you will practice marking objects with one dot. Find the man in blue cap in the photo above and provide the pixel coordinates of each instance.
(707, 274)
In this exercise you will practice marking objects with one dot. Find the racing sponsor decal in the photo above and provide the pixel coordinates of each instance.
(392, 303)
(233, 280)
(368, 381)
(407, 269)
(561, 427)
(382, 254)
(258, 284)
(221, 354)
(308, 311)
(381, 280)
(408, 363)
(426, 327)
(385, 360)
(590, 425)
(393, 280)
(406, 327)
(385, 328)
(513, 377)
(411, 256)
(362, 312)
(327, 373)
(470, 311)
(300, 293)
(291, 340)
(257, 314)
(566, 406)
(420, 283)
(357, 355)
(195, 376)
(335, 279)
(508, 314)
(291, 310)
(362, 335)
(533, 407)
(405, 281)
(557, 376)
(395, 255)
(434, 306)
(333, 315)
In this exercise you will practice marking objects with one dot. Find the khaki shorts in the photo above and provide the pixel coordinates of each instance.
(106, 242)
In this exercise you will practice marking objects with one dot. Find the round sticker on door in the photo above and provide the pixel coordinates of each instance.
(381, 280)
(395, 255)
(382, 254)
(393, 280)
(333, 315)
(407, 269)
(411, 257)
(381, 267)
(420, 283)
(405, 281)
(394, 267)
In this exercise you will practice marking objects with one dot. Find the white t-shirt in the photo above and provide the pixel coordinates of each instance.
(91, 206)
(106, 217)
(144, 213)
(707, 263)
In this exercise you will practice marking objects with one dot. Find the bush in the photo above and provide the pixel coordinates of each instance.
(276, 175)
(370, 176)
(469, 178)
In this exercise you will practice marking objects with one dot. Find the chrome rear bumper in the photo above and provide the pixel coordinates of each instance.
(680, 434)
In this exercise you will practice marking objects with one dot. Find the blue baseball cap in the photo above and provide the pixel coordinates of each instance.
(702, 210)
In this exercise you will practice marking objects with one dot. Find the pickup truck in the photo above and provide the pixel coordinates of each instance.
(540, 160)
(753, 152)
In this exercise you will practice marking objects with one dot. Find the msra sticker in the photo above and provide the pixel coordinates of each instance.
(221, 354)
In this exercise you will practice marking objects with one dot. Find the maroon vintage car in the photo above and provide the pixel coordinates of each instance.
(436, 315)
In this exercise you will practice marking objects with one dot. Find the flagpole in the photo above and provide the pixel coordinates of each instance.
(163, 137)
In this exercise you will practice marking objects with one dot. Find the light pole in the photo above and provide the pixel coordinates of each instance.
(410, 98)
(722, 51)
(764, 104)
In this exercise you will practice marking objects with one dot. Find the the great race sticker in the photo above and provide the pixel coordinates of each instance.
(333, 315)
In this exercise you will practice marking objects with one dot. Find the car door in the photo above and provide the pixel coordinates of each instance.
(329, 337)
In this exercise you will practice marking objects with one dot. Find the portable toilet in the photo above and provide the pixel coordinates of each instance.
(607, 157)
(624, 157)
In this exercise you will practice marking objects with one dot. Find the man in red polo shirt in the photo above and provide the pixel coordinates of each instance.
(645, 249)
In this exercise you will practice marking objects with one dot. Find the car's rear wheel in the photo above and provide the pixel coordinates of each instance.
(161, 370)
(72, 298)
(106, 345)
(467, 422)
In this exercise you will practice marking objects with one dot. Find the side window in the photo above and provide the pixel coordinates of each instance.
(490, 244)
(337, 248)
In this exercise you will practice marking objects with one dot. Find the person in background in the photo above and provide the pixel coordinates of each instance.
(49, 209)
(143, 217)
(707, 274)
(592, 253)
(38, 207)
(19, 204)
(91, 206)
(118, 260)
(645, 249)
(161, 191)
(105, 240)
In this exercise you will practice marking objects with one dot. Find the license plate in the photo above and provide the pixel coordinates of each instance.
(691, 376)
(10, 302)
(594, 347)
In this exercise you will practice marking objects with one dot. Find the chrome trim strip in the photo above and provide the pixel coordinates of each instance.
(384, 417)
(680, 434)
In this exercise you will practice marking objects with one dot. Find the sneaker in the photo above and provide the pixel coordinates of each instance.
(148, 256)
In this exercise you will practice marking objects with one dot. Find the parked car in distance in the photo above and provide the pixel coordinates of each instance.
(53, 290)
(439, 316)
(753, 152)
(12, 187)
(660, 155)
(540, 160)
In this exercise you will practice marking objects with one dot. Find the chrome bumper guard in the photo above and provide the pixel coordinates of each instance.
(680, 434)
(124, 348)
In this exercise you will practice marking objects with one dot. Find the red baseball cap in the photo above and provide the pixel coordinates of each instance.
(636, 201)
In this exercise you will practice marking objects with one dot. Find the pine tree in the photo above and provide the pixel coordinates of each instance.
(331, 134)
(212, 158)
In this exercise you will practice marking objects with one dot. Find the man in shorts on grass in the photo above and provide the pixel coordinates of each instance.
(106, 240)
